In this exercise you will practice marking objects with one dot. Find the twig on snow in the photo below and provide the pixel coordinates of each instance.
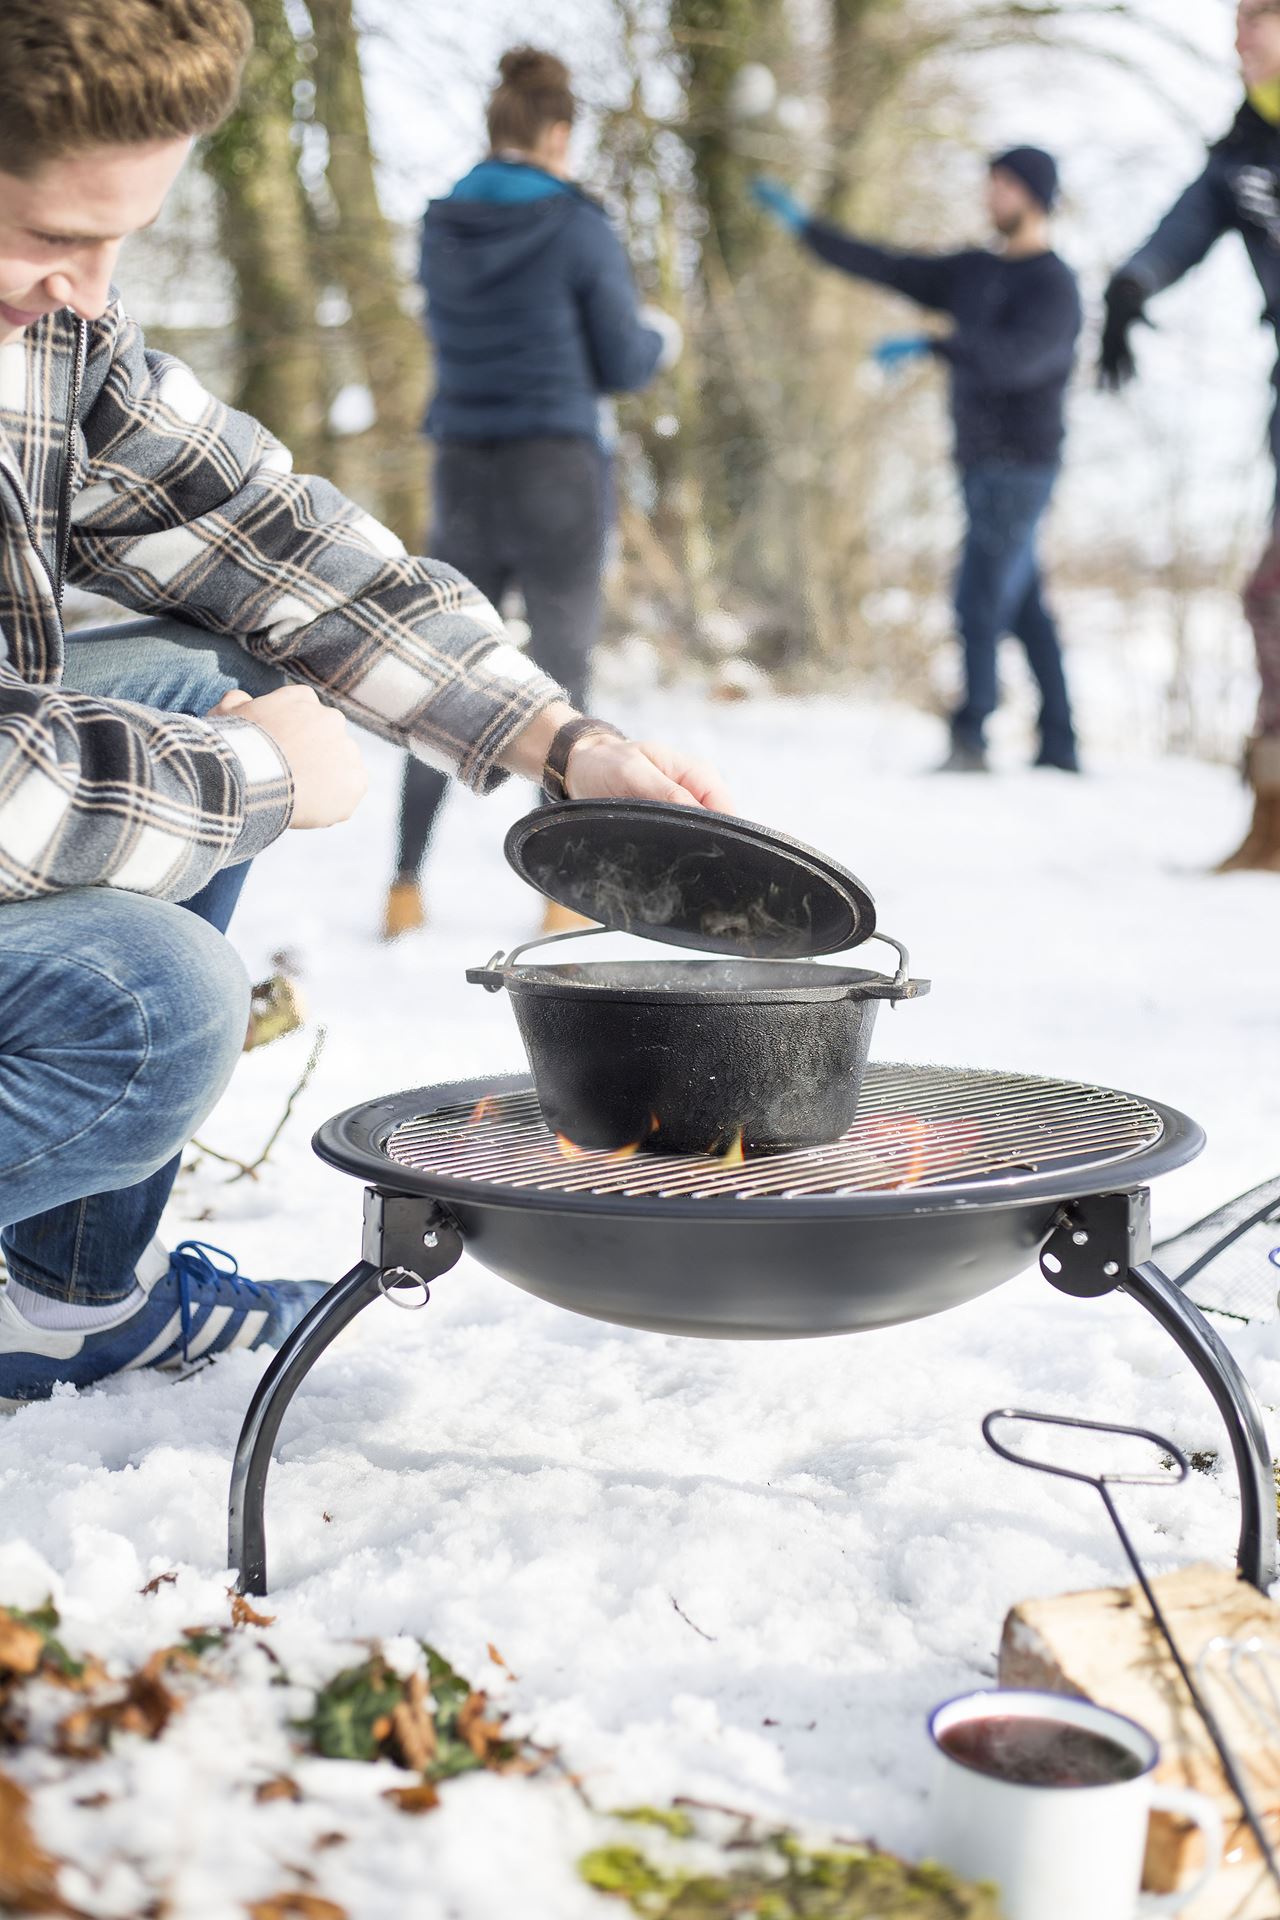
(249, 1168)
(688, 1622)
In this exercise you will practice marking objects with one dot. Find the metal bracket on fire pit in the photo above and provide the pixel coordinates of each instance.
(407, 1242)
(1102, 1244)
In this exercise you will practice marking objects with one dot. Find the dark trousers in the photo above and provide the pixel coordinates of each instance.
(998, 591)
(1262, 609)
(528, 514)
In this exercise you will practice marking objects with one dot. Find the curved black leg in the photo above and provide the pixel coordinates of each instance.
(246, 1533)
(1234, 1397)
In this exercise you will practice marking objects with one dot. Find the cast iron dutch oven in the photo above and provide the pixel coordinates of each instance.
(758, 1046)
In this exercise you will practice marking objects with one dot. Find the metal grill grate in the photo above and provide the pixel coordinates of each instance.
(923, 1128)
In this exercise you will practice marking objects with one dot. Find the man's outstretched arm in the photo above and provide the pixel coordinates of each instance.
(1199, 217)
(926, 278)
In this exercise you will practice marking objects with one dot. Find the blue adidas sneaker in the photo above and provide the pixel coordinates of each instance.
(194, 1308)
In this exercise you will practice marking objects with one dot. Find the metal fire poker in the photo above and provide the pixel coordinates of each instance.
(1104, 1482)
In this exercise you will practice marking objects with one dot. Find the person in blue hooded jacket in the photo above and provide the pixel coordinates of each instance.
(533, 315)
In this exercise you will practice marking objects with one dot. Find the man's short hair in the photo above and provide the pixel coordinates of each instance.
(76, 74)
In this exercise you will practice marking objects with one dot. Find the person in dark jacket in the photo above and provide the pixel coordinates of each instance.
(533, 316)
(1015, 311)
(1238, 192)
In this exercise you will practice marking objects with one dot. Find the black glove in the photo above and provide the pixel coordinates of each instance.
(1125, 301)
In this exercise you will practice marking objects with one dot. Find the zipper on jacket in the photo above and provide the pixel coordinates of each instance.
(24, 507)
(62, 543)
(56, 575)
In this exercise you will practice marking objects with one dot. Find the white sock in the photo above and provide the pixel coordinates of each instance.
(66, 1316)
(70, 1316)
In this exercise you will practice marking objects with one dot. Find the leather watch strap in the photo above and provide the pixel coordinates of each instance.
(557, 761)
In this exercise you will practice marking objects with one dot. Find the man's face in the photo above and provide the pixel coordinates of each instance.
(61, 227)
(1258, 40)
(1008, 201)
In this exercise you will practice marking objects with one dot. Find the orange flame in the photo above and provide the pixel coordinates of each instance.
(572, 1151)
(482, 1109)
(733, 1155)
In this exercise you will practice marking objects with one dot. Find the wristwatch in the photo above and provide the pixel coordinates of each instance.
(566, 739)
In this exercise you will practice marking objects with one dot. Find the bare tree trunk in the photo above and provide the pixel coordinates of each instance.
(360, 249)
(252, 161)
(712, 39)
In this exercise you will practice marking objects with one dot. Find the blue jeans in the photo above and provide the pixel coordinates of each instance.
(998, 591)
(121, 1017)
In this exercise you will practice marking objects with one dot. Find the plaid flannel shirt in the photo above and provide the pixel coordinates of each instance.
(170, 503)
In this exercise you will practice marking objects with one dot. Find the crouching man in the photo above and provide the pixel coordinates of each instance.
(142, 766)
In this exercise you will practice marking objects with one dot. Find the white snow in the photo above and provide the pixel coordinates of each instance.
(491, 1469)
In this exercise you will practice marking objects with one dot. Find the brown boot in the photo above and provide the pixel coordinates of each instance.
(558, 919)
(275, 1008)
(404, 911)
(1259, 851)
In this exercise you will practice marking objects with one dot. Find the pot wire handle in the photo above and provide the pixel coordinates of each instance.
(1104, 1482)
(904, 958)
(545, 940)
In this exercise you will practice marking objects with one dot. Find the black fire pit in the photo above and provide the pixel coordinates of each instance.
(948, 1183)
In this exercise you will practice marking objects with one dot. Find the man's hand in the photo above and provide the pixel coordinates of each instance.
(773, 198)
(1125, 304)
(329, 779)
(894, 353)
(604, 768)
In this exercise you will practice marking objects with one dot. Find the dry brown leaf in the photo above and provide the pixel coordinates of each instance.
(145, 1707)
(480, 1734)
(279, 1788)
(243, 1615)
(497, 1658)
(160, 1580)
(92, 1674)
(419, 1799)
(325, 1840)
(20, 1645)
(28, 1875)
(413, 1726)
(296, 1906)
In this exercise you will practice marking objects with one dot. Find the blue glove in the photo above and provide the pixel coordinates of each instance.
(772, 198)
(898, 349)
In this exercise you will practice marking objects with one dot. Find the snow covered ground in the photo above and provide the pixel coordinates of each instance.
(840, 1545)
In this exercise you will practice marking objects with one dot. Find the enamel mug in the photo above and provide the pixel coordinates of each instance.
(1070, 1852)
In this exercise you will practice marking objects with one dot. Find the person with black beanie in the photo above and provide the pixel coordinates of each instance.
(1238, 192)
(1015, 310)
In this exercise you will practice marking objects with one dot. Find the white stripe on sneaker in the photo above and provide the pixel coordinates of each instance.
(171, 1331)
(253, 1325)
(209, 1331)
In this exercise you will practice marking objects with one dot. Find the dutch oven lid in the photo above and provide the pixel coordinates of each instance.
(691, 878)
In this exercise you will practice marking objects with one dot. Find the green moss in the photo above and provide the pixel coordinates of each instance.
(625, 1871)
(777, 1876)
(672, 1820)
